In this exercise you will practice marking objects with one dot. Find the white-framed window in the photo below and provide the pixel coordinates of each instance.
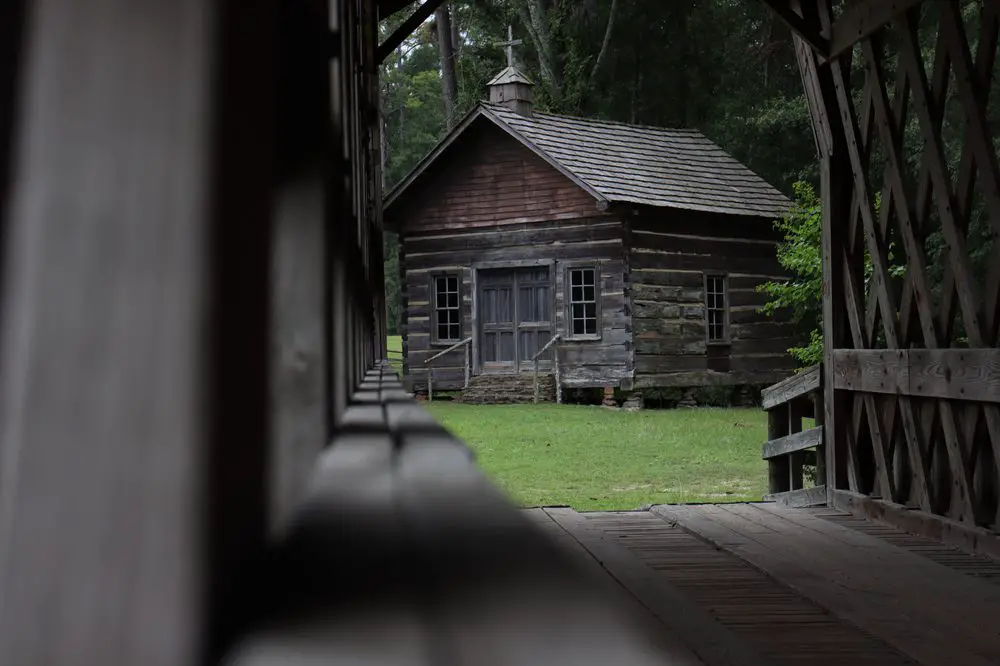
(717, 308)
(446, 326)
(583, 301)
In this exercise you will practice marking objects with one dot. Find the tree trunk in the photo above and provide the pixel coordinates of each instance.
(636, 81)
(446, 47)
(456, 37)
(536, 20)
(383, 146)
(767, 50)
(607, 40)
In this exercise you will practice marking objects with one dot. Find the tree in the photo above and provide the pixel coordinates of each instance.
(446, 47)
(801, 255)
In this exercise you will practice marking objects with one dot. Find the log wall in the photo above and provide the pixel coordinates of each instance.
(554, 244)
(671, 251)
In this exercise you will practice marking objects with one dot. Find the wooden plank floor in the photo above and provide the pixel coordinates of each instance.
(760, 584)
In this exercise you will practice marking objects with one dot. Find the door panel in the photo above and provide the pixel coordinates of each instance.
(516, 318)
(496, 309)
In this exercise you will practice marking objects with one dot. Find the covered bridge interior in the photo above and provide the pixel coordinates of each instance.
(202, 456)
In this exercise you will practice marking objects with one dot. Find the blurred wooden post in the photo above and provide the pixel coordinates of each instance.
(160, 235)
(134, 410)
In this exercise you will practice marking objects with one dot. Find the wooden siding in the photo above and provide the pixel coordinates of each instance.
(594, 240)
(488, 179)
(670, 254)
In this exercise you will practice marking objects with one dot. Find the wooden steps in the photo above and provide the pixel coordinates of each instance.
(508, 389)
(762, 584)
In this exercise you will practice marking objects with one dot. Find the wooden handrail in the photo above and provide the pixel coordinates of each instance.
(455, 346)
(556, 338)
(468, 365)
(555, 361)
(789, 447)
(399, 496)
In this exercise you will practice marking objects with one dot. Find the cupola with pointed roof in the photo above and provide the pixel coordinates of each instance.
(511, 88)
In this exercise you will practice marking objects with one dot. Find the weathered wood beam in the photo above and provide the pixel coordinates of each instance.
(961, 535)
(836, 192)
(393, 41)
(398, 511)
(800, 499)
(784, 9)
(861, 20)
(794, 387)
(298, 349)
(799, 441)
(957, 374)
(133, 397)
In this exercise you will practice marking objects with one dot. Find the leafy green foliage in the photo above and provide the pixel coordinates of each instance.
(801, 254)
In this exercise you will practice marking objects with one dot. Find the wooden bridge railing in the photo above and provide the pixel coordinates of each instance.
(790, 447)
(403, 549)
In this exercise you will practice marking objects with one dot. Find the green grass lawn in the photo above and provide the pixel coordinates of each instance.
(595, 459)
(394, 347)
(591, 458)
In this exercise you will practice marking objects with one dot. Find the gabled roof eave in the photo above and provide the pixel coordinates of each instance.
(430, 157)
(483, 111)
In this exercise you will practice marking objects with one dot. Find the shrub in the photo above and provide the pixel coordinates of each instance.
(801, 254)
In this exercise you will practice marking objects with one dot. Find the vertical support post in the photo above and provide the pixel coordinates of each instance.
(299, 400)
(835, 185)
(140, 211)
(468, 364)
(430, 384)
(796, 408)
(818, 407)
(555, 362)
(535, 378)
(778, 469)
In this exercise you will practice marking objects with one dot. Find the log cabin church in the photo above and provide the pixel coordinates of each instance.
(636, 249)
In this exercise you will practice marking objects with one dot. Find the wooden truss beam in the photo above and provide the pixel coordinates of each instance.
(951, 374)
(858, 22)
(785, 11)
(863, 19)
(406, 29)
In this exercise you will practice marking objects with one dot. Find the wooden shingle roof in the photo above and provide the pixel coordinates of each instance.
(622, 163)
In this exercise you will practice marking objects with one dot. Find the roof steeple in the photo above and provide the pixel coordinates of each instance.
(511, 88)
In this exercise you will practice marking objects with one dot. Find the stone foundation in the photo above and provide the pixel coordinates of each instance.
(508, 389)
(634, 403)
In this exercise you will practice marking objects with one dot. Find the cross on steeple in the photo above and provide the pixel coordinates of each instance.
(511, 88)
(510, 44)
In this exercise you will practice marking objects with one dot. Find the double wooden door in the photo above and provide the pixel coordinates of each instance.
(515, 317)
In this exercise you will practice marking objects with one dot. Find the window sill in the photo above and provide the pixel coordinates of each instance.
(444, 344)
(581, 338)
(720, 343)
